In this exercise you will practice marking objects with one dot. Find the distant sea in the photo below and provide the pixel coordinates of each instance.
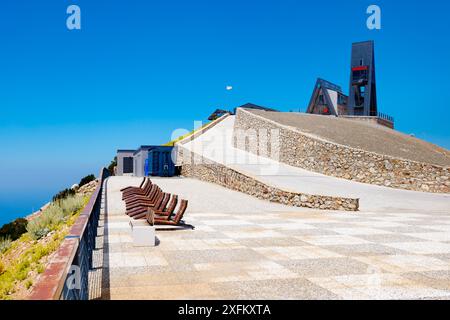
(20, 204)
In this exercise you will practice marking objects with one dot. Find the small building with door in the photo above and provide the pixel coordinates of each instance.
(125, 165)
(139, 158)
(146, 161)
(159, 162)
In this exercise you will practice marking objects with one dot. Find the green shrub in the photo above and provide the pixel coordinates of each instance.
(23, 268)
(28, 283)
(40, 268)
(63, 194)
(37, 229)
(111, 166)
(14, 229)
(71, 205)
(2, 268)
(6, 286)
(5, 243)
(42, 225)
(86, 180)
(53, 216)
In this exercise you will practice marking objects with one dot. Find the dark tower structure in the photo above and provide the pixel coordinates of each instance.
(362, 100)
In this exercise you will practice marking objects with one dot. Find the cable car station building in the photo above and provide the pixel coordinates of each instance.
(361, 104)
(146, 161)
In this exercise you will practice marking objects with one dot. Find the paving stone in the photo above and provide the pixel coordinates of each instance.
(441, 236)
(252, 249)
(205, 256)
(367, 249)
(426, 247)
(404, 263)
(325, 266)
(439, 279)
(331, 240)
(296, 253)
(309, 232)
(267, 242)
(274, 289)
(389, 238)
(409, 229)
(377, 286)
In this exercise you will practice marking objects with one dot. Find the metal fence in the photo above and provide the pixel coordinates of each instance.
(77, 286)
(67, 276)
(385, 117)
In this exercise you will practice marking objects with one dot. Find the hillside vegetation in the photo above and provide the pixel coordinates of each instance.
(22, 259)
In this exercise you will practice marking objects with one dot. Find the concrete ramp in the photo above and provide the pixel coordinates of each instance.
(216, 145)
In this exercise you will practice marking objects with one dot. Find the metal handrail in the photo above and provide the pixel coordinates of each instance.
(67, 275)
(385, 116)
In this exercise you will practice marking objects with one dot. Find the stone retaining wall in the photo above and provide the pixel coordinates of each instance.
(195, 166)
(311, 153)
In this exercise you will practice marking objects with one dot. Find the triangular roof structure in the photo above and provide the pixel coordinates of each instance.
(324, 99)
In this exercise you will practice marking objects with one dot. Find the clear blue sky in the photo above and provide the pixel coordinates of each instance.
(139, 69)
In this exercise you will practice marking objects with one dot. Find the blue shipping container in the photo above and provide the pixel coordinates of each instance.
(159, 162)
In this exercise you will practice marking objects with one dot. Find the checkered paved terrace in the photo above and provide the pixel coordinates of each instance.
(245, 248)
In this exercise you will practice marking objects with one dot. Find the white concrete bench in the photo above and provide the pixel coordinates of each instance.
(143, 233)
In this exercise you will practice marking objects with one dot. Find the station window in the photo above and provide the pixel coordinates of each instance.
(128, 165)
